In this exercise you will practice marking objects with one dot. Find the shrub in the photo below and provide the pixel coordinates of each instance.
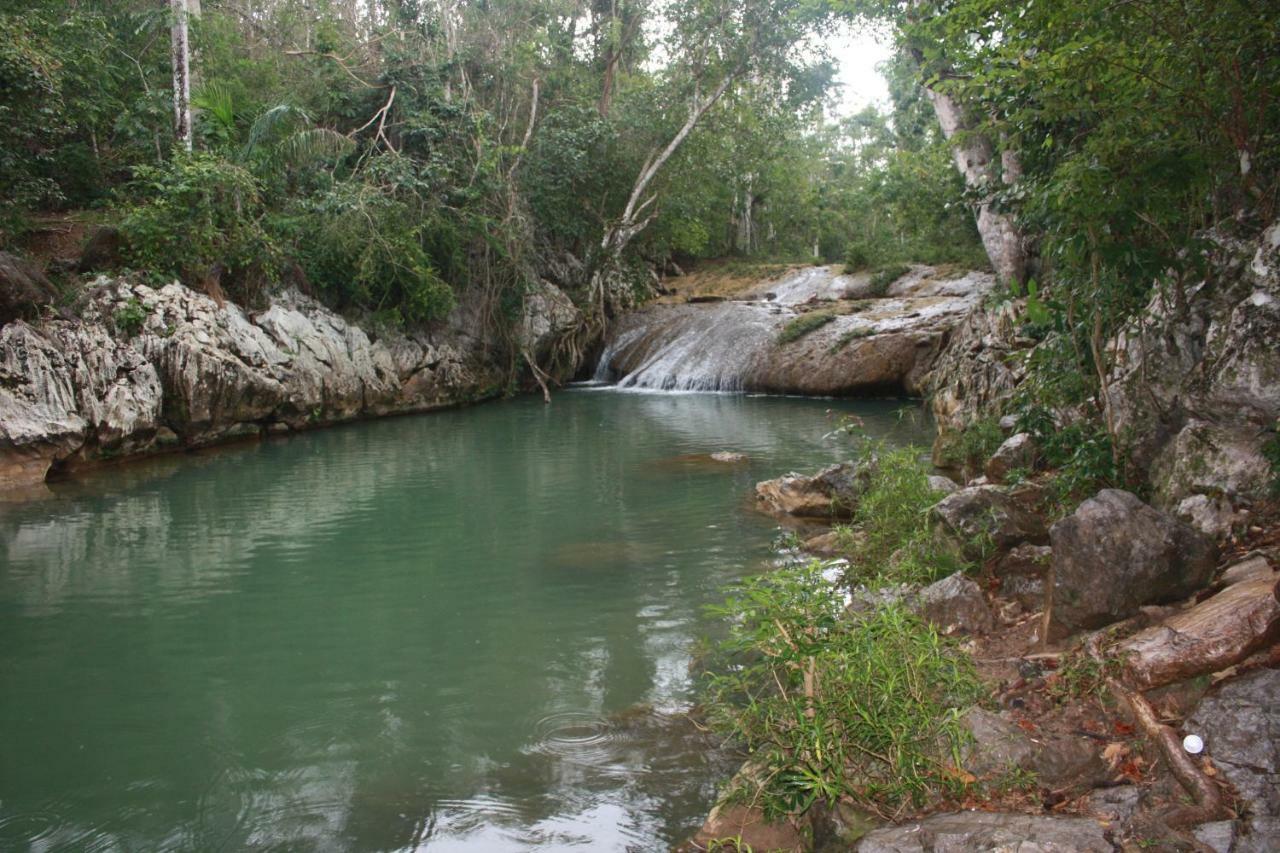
(803, 325)
(895, 544)
(128, 318)
(366, 244)
(885, 276)
(971, 447)
(196, 215)
(831, 707)
(856, 258)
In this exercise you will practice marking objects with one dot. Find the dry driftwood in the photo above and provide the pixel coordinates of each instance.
(1211, 636)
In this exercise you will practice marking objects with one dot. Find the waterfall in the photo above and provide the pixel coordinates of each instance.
(870, 345)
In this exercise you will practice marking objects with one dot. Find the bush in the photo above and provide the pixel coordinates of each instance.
(894, 543)
(856, 258)
(363, 246)
(885, 276)
(972, 446)
(831, 707)
(198, 215)
(803, 325)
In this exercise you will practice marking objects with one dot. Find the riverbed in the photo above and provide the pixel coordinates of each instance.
(462, 631)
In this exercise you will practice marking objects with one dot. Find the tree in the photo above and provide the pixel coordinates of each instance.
(180, 57)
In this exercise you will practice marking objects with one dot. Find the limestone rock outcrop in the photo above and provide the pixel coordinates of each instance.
(142, 369)
(886, 344)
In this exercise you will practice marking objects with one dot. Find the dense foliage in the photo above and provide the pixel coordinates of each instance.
(831, 707)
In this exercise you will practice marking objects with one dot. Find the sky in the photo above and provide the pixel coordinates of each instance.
(857, 52)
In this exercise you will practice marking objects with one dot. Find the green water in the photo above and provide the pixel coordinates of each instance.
(461, 631)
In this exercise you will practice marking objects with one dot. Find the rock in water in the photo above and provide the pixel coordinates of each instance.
(831, 493)
(970, 832)
(1115, 554)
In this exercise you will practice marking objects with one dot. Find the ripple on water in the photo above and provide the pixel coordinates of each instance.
(582, 737)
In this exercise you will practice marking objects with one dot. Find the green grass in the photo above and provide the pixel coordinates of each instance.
(886, 275)
(850, 336)
(894, 543)
(972, 446)
(803, 325)
(832, 707)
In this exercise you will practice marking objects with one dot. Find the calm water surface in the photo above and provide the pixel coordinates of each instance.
(461, 631)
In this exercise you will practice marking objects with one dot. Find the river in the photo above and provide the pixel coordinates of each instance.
(462, 631)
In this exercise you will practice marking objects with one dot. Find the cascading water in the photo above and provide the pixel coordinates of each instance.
(870, 345)
(691, 347)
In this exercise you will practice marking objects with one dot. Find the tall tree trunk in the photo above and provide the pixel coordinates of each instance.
(975, 158)
(180, 55)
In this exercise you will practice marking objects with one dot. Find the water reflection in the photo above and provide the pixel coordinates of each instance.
(417, 633)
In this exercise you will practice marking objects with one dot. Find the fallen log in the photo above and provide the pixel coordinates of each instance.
(1213, 635)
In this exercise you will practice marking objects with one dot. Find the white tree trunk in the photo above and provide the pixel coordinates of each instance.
(974, 157)
(180, 54)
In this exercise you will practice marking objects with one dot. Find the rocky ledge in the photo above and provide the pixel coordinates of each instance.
(143, 370)
(864, 339)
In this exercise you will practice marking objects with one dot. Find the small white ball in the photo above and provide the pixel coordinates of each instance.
(1193, 744)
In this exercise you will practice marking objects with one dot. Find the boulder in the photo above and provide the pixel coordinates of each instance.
(1240, 724)
(831, 493)
(980, 520)
(745, 826)
(1022, 573)
(548, 314)
(1214, 515)
(954, 605)
(942, 484)
(1058, 761)
(1115, 554)
(1017, 452)
(970, 832)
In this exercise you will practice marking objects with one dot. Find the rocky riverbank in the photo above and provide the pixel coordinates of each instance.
(140, 370)
(1106, 634)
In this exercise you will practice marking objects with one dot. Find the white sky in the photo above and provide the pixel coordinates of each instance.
(857, 53)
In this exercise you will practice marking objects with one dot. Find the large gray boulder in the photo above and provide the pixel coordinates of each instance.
(1240, 724)
(970, 832)
(982, 520)
(1115, 554)
(954, 605)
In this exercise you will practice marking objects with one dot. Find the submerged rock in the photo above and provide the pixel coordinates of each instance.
(1115, 554)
